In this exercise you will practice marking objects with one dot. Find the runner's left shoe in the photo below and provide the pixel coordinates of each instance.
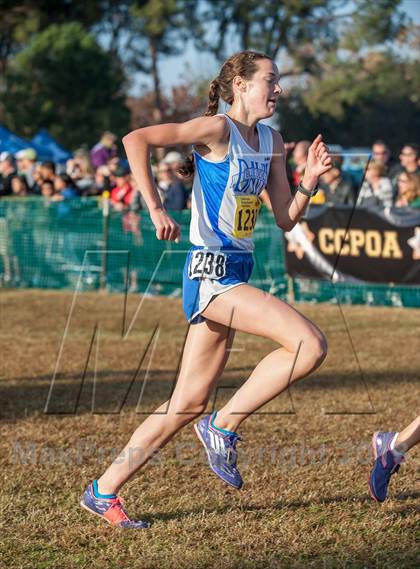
(386, 464)
(221, 450)
(381, 442)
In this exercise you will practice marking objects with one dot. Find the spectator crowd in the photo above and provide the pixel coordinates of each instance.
(387, 182)
(91, 174)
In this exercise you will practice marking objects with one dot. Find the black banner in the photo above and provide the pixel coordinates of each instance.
(344, 244)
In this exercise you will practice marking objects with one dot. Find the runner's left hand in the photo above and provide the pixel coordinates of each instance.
(319, 159)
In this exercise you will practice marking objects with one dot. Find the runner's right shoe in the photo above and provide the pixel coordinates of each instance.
(110, 509)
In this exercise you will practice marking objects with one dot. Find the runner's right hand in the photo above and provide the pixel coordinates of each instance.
(166, 228)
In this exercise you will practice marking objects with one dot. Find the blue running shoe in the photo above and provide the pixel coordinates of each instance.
(110, 510)
(221, 450)
(385, 466)
(381, 442)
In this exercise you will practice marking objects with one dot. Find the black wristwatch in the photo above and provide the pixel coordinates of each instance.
(305, 192)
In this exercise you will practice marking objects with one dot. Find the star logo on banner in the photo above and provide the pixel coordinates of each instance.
(414, 243)
(294, 245)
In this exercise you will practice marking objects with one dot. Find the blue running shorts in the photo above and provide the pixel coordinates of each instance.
(209, 272)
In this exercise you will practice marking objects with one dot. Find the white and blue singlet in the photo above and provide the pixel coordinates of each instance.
(224, 210)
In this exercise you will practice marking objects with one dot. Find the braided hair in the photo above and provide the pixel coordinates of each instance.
(243, 64)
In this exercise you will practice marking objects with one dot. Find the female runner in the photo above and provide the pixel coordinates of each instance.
(235, 158)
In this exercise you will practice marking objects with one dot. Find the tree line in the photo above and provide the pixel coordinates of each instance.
(347, 69)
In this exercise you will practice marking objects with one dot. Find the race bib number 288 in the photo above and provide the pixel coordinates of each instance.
(210, 264)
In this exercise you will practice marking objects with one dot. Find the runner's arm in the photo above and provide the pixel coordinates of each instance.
(287, 208)
(138, 143)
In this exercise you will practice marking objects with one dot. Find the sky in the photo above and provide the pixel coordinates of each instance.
(172, 69)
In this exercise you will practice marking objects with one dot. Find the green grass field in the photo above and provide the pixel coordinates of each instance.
(305, 462)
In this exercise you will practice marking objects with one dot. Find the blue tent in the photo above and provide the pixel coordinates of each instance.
(10, 142)
(47, 147)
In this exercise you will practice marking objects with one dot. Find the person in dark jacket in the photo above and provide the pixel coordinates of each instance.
(338, 186)
(7, 173)
(171, 189)
(382, 155)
